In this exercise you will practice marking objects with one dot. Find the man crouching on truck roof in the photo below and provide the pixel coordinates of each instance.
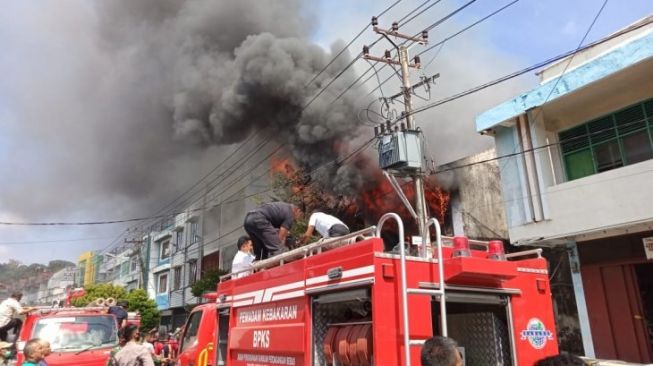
(120, 312)
(243, 258)
(268, 226)
(328, 226)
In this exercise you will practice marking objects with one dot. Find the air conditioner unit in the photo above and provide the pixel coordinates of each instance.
(401, 150)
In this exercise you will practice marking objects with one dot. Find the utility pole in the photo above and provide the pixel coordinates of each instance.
(415, 171)
(139, 254)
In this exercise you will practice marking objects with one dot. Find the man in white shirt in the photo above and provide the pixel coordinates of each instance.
(243, 258)
(9, 309)
(328, 226)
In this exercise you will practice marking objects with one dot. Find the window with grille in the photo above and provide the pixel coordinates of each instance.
(618, 139)
(179, 240)
(176, 280)
(163, 283)
(164, 252)
(192, 271)
(194, 232)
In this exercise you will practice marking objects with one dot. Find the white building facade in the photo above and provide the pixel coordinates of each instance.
(581, 178)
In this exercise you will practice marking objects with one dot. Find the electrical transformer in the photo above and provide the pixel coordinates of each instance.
(401, 150)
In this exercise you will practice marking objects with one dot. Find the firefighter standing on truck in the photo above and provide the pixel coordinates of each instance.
(9, 309)
(268, 226)
(243, 258)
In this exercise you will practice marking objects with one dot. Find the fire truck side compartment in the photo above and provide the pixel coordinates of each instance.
(346, 312)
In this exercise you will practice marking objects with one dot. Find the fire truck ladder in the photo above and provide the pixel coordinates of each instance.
(405, 291)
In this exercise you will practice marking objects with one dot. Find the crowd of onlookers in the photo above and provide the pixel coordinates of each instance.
(134, 348)
(137, 348)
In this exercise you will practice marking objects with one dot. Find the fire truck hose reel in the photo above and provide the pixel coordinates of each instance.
(327, 345)
(364, 348)
(352, 340)
(342, 346)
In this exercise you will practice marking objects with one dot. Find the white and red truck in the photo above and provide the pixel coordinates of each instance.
(345, 301)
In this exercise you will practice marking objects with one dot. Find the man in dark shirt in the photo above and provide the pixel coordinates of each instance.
(120, 312)
(268, 226)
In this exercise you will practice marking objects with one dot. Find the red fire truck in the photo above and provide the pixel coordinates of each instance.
(344, 301)
(77, 336)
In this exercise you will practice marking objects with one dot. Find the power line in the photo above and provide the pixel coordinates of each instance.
(350, 43)
(418, 14)
(463, 30)
(378, 39)
(335, 161)
(323, 89)
(169, 204)
(440, 102)
(441, 43)
(580, 44)
(546, 146)
(306, 106)
(448, 16)
(303, 109)
(508, 77)
(50, 241)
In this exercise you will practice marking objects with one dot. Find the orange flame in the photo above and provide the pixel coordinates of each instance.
(369, 205)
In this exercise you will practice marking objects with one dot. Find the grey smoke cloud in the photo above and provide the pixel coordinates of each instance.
(119, 96)
(116, 105)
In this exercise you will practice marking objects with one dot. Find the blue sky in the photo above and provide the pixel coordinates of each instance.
(525, 33)
(531, 30)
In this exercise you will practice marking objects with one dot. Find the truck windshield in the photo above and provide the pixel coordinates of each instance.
(77, 332)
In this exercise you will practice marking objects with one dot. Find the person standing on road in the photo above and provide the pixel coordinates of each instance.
(441, 351)
(32, 353)
(9, 309)
(133, 353)
(243, 258)
(45, 351)
(328, 226)
(268, 226)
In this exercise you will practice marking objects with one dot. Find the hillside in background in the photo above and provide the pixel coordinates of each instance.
(12, 271)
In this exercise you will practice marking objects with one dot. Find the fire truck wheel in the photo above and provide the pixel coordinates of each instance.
(342, 346)
(327, 345)
(364, 348)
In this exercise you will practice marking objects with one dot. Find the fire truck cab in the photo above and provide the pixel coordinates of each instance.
(77, 336)
(344, 301)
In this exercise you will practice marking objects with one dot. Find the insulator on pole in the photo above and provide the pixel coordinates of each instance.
(388, 55)
(375, 21)
(395, 26)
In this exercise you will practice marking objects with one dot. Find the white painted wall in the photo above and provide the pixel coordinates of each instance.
(616, 198)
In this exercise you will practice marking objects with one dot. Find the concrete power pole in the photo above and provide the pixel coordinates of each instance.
(416, 173)
(420, 201)
(141, 261)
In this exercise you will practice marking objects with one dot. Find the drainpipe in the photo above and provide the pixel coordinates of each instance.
(579, 294)
(534, 198)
